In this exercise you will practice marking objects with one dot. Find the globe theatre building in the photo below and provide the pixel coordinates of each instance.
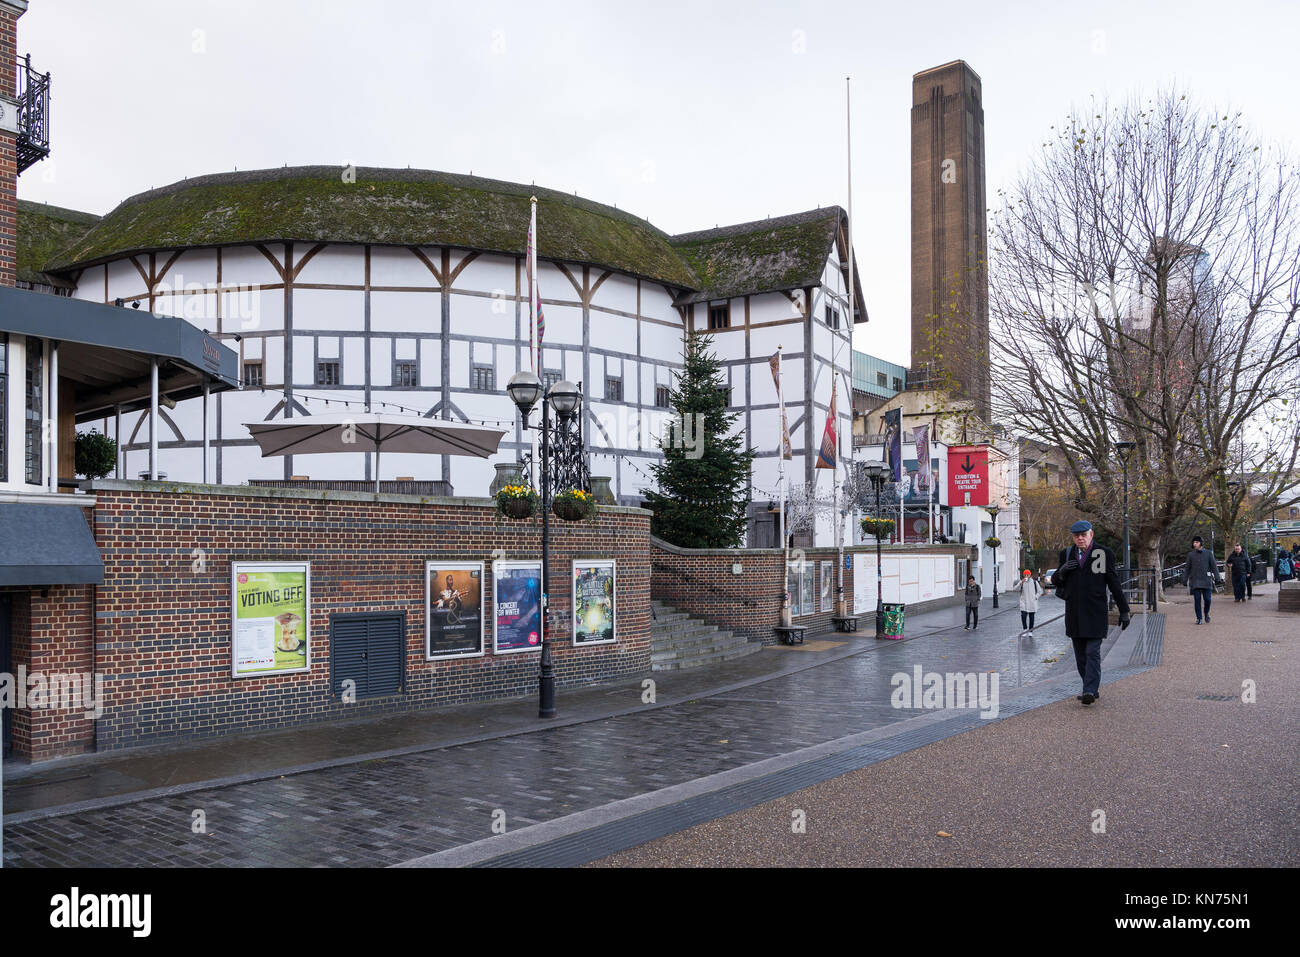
(406, 291)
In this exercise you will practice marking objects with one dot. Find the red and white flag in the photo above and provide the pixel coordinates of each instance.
(536, 321)
(775, 363)
(826, 458)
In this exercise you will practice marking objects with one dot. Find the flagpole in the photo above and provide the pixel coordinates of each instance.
(780, 454)
(842, 609)
(533, 351)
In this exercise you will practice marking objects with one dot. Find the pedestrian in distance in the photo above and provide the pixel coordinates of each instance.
(1085, 573)
(972, 604)
(1202, 575)
(1284, 567)
(1239, 568)
(1030, 591)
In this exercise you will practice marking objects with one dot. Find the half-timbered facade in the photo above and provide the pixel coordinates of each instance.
(405, 290)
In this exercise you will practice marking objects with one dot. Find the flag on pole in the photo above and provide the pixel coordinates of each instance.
(536, 321)
(894, 442)
(826, 457)
(775, 363)
(921, 435)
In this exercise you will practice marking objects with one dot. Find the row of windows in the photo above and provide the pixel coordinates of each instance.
(720, 316)
(406, 375)
(882, 380)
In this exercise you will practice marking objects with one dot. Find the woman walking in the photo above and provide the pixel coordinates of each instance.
(1030, 591)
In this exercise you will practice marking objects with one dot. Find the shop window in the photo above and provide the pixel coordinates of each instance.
(34, 458)
(327, 372)
(4, 406)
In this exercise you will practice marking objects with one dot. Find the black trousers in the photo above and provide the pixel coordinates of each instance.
(1027, 620)
(972, 611)
(1087, 656)
(1238, 586)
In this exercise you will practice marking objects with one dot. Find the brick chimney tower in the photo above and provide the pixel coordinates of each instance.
(10, 11)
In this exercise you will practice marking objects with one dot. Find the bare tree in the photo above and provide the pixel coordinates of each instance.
(1145, 284)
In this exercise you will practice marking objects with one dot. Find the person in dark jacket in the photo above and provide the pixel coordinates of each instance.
(1086, 572)
(972, 604)
(1202, 575)
(1284, 567)
(1239, 568)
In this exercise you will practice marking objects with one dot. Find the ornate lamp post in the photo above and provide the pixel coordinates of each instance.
(877, 473)
(993, 510)
(1125, 449)
(524, 390)
(1214, 562)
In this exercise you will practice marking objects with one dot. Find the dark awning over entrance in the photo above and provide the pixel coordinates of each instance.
(106, 351)
(47, 545)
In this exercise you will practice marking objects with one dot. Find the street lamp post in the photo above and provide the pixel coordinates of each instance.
(1125, 449)
(524, 390)
(876, 474)
(1214, 561)
(993, 510)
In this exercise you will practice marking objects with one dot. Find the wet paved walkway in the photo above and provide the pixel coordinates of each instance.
(393, 808)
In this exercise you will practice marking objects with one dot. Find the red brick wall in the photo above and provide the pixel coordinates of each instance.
(1288, 599)
(164, 631)
(8, 151)
(702, 582)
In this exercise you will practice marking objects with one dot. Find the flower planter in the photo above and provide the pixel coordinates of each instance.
(517, 508)
(569, 511)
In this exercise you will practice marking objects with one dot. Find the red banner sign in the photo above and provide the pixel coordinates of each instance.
(968, 475)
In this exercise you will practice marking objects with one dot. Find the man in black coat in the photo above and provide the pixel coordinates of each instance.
(1085, 572)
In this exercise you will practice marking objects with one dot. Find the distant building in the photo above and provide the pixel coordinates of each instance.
(875, 381)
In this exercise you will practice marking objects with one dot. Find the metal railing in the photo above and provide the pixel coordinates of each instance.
(33, 142)
(435, 487)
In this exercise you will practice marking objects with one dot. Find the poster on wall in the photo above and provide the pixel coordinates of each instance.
(453, 610)
(593, 602)
(518, 607)
(968, 475)
(828, 585)
(269, 603)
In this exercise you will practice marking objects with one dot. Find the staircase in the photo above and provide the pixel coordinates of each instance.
(678, 641)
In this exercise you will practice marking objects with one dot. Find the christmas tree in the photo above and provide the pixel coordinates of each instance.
(703, 480)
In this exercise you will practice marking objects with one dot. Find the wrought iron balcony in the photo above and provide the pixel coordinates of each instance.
(33, 115)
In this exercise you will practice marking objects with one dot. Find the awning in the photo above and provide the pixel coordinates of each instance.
(106, 351)
(47, 545)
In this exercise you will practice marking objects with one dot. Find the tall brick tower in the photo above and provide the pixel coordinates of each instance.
(950, 299)
(10, 11)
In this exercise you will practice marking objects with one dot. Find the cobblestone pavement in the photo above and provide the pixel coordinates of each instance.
(393, 809)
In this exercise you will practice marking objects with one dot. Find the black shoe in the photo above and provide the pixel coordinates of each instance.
(1087, 698)
(1207, 619)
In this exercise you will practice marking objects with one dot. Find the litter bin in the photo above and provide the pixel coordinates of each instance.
(1259, 569)
(895, 615)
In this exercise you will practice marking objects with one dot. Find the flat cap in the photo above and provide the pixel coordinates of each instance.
(1080, 526)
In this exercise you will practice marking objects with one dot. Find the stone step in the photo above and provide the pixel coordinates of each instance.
(677, 629)
(713, 642)
(666, 618)
(683, 664)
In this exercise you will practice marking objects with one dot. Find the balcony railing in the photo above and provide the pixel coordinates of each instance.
(33, 115)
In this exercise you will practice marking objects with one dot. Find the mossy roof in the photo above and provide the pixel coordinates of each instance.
(43, 232)
(786, 252)
(428, 208)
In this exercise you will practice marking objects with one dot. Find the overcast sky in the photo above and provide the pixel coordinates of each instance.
(689, 114)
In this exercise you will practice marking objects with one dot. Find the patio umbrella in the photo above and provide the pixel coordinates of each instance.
(373, 432)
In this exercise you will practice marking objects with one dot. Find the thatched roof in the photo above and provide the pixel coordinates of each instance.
(429, 208)
(43, 231)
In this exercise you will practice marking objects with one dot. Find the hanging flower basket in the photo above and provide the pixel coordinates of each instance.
(516, 501)
(992, 541)
(880, 528)
(574, 505)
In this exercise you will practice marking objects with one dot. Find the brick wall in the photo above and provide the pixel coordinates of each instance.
(702, 581)
(8, 151)
(164, 630)
(1288, 596)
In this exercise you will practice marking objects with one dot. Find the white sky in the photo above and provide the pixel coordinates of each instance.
(688, 114)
